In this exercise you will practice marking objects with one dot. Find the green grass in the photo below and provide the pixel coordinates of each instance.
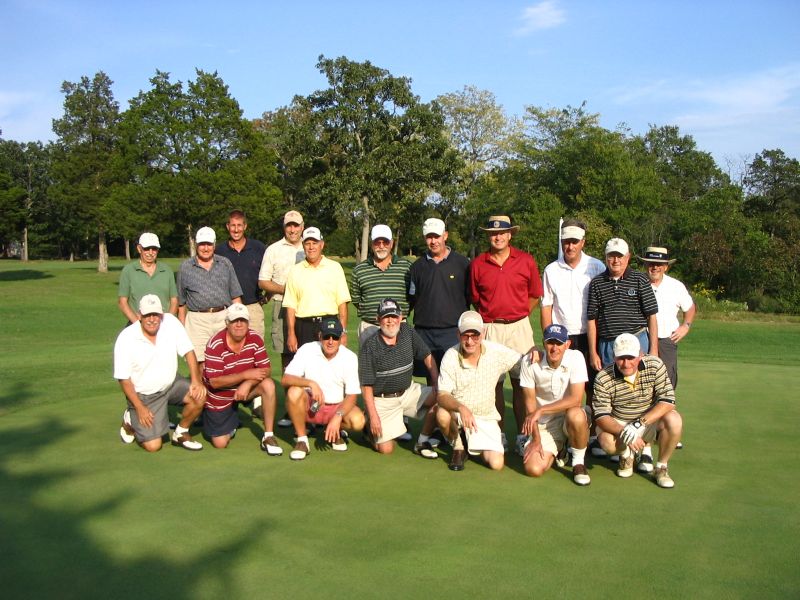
(83, 516)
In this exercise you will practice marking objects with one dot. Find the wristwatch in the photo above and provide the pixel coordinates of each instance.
(340, 413)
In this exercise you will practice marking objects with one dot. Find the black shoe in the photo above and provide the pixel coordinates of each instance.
(457, 460)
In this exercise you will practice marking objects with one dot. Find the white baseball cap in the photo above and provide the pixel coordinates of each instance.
(149, 240)
(470, 321)
(381, 232)
(237, 311)
(150, 304)
(627, 344)
(617, 245)
(312, 233)
(206, 235)
(435, 226)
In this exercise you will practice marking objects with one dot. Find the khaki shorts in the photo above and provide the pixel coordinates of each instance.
(201, 327)
(392, 410)
(256, 318)
(517, 336)
(487, 437)
(278, 330)
(554, 433)
(650, 430)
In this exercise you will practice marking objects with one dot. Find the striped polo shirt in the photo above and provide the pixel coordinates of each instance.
(388, 369)
(620, 305)
(221, 360)
(369, 285)
(616, 397)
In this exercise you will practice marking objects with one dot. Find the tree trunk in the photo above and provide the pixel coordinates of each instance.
(102, 253)
(365, 228)
(127, 249)
(192, 245)
(25, 244)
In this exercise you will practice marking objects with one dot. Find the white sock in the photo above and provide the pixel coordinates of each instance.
(302, 438)
(179, 430)
(267, 434)
(661, 465)
(578, 455)
(423, 438)
(457, 444)
(626, 453)
(647, 451)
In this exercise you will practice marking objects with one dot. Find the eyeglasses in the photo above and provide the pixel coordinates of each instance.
(330, 336)
(381, 242)
(470, 337)
(150, 249)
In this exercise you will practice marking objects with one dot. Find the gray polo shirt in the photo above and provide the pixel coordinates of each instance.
(200, 289)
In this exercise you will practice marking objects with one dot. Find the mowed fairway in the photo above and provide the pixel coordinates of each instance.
(84, 516)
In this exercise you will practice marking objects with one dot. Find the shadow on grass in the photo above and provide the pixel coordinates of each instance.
(24, 275)
(15, 397)
(48, 552)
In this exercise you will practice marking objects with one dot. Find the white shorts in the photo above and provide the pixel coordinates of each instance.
(392, 410)
(487, 436)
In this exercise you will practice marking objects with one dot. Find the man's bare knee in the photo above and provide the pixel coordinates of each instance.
(151, 445)
(385, 448)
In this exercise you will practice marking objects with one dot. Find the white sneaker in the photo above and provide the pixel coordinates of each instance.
(522, 441)
(644, 463)
(185, 441)
(126, 433)
(340, 444)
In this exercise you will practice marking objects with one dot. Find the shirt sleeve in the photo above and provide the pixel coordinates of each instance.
(663, 392)
(591, 307)
(122, 360)
(547, 290)
(526, 377)
(183, 345)
(577, 367)
(267, 269)
(290, 293)
(601, 401)
(535, 282)
(352, 384)
(421, 350)
(366, 371)
(449, 364)
(173, 289)
(124, 284)
(235, 289)
(684, 298)
(355, 287)
(181, 291)
(648, 297)
(342, 293)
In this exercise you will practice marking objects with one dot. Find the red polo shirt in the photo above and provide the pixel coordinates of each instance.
(504, 292)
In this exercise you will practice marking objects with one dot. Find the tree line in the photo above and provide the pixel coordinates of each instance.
(366, 150)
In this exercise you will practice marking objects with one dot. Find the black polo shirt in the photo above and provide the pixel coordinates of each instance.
(439, 292)
(622, 305)
(247, 264)
(388, 369)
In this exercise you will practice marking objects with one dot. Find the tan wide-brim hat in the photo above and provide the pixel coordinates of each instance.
(501, 223)
(657, 254)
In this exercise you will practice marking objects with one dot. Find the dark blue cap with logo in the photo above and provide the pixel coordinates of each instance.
(331, 326)
(556, 332)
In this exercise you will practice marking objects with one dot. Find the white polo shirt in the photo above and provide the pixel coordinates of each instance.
(671, 295)
(278, 259)
(551, 383)
(336, 377)
(567, 291)
(150, 367)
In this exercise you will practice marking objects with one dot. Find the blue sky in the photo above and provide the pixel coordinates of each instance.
(726, 72)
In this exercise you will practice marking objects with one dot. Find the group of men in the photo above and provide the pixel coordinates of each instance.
(604, 327)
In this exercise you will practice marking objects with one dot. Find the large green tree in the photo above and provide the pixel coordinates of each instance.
(82, 171)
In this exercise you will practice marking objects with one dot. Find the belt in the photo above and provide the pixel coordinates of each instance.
(392, 394)
(213, 309)
(505, 321)
(314, 319)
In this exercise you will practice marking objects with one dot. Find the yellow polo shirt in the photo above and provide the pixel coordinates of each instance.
(316, 291)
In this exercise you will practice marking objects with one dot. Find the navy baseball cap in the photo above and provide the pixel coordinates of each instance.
(556, 332)
(331, 326)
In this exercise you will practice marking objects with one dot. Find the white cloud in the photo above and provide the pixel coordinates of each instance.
(544, 15)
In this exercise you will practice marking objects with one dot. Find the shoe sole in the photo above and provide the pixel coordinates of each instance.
(625, 474)
(123, 436)
(181, 445)
(297, 456)
(645, 469)
(582, 483)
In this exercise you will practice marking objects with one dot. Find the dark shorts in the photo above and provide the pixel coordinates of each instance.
(221, 422)
(668, 352)
(157, 403)
(305, 330)
(439, 340)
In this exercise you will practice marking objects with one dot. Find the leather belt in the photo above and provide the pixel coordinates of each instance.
(213, 309)
(392, 394)
(505, 321)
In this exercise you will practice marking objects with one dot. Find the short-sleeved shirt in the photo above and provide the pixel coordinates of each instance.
(473, 386)
(201, 289)
(388, 369)
(337, 377)
(566, 289)
(135, 283)
(150, 367)
(504, 292)
(671, 296)
(221, 361)
(247, 264)
(278, 259)
(551, 383)
(316, 291)
(439, 291)
(621, 305)
(369, 285)
(615, 396)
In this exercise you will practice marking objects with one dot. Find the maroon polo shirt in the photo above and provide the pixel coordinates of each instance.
(504, 292)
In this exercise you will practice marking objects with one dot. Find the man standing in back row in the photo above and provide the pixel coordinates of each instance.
(146, 276)
(245, 255)
(505, 287)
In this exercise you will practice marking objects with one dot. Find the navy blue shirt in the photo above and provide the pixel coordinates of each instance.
(247, 264)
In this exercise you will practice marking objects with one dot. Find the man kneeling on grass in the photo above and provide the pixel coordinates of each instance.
(146, 365)
(634, 404)
(466, 397)
(322, 386)
(553, 389)
(237, 370)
